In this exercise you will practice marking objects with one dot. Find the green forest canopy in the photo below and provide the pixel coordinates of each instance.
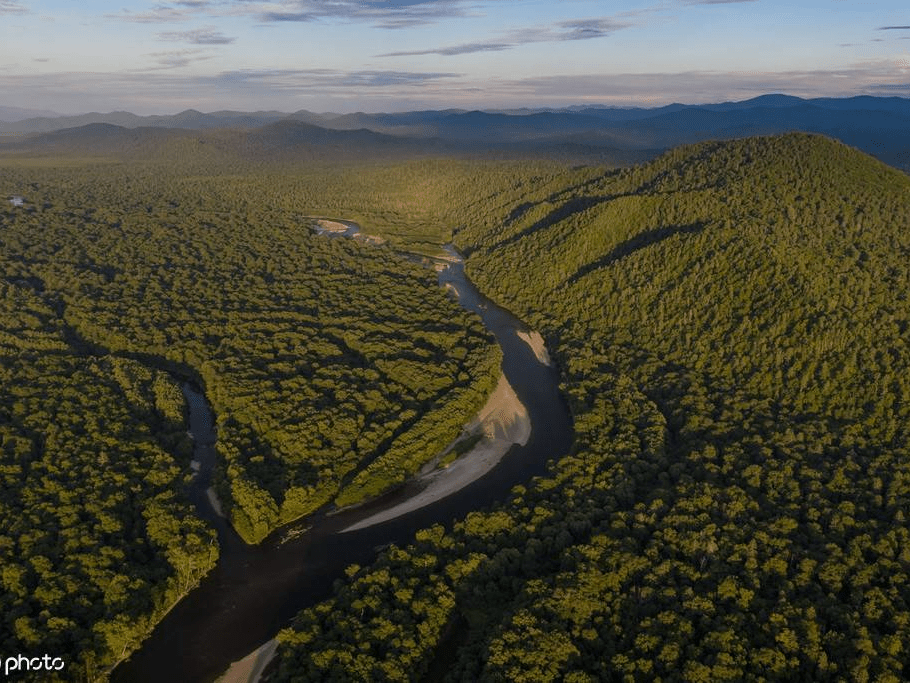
(732, 324)
(335, 370)
(731, 321)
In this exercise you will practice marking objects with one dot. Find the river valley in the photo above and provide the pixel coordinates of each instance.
(255, 590)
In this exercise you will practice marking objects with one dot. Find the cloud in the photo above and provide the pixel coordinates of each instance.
(372, 79)
(278, 17)
(893, 28)
(586, 29)
(389, 14)
(708, 86)
(176, 59)
(576, 29)
(300, 80)
(168, 89)
(8, 7)
(716, 2)
(159, 14)
(462, 49)
(201, 36)
(891, 88)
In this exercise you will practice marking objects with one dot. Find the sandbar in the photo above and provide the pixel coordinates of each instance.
(502, 422)
(535, 341)
(214, 501)
(331, 226)
(250, 668)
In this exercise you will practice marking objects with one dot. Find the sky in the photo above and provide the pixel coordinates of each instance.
(165, 56)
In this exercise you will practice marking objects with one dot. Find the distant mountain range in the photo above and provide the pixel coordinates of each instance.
(877, 125)
(18, 114)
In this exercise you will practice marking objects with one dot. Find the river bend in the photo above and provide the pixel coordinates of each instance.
(254, 591)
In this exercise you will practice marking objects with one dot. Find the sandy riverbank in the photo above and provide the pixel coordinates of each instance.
(503, 421)
(535, 341)
(250, 668)
(324, 225)
(331, 226)
(215, 502)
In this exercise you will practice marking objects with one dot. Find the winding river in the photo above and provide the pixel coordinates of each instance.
(254, 591)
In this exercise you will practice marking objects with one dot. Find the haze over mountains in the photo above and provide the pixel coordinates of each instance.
(877, 125)
(11, 114)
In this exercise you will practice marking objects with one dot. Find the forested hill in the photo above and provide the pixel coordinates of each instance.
(732, 324)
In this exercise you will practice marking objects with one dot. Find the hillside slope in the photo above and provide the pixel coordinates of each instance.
(732, 322)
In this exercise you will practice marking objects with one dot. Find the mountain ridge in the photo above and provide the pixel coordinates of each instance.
(876, 125)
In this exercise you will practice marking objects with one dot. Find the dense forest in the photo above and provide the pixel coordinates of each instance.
(732, 324)
(335, 370)
(730, 321)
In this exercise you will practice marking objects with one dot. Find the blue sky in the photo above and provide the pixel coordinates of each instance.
(160, 56)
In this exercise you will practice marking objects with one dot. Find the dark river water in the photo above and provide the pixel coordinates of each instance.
(254, 591)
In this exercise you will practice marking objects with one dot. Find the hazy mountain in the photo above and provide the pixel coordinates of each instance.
(45, 124)
(892, 104)
(11, 114)
(478, 125)
(287, 138)
(103, 139)
(189, 119)
(877, 125)
(280, 141)
(882, 133)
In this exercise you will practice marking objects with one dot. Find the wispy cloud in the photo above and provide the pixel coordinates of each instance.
(717, 2)
(279, 17)
(176, 59)
(166, 87)
(451, 50)
(586, 29)
(201, 36)
(9, 7)
(891, 88)
(159, 14)
(711, 86)
(893, 28)
(576, 29)
(389, 14)
(321, 79)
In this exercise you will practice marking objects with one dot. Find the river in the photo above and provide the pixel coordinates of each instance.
(254, 591)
